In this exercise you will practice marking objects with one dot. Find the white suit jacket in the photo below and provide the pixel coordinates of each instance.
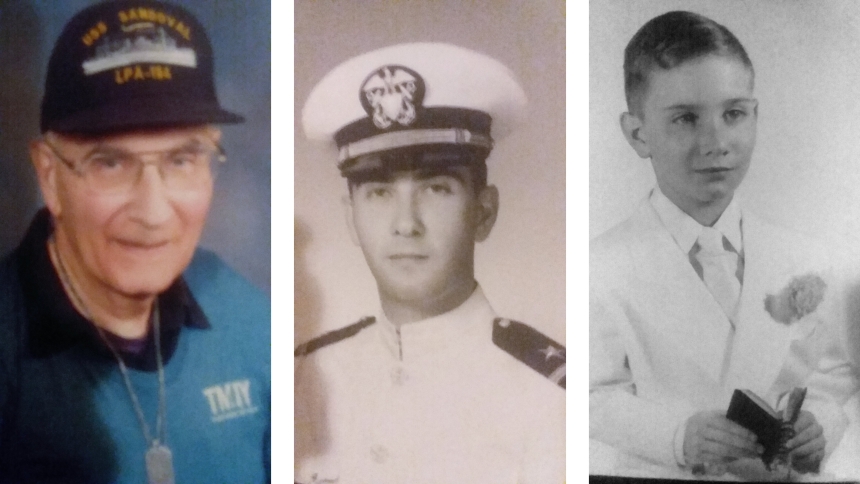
(658, 341)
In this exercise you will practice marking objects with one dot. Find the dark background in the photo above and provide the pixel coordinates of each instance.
(238, 228)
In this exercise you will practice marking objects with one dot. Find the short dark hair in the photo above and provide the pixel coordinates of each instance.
(414, 158)
(669, 40)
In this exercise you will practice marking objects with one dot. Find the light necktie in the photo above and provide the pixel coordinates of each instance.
(719, 267)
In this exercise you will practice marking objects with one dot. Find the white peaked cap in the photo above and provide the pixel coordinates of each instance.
(455, 81)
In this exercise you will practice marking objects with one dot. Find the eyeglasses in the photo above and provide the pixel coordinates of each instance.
(109, 170)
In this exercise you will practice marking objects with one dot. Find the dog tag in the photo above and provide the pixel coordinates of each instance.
(159, 464)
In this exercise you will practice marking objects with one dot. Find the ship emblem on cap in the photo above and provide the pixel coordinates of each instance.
(142, 42)
(392, 94)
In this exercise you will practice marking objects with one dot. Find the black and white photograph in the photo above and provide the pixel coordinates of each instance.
(724, 220)
(429, 242)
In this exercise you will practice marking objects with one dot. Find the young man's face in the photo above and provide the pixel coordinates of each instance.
(418, 230)
(134, 242)
(698, 126)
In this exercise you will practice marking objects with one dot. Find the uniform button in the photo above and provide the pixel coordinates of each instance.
(379, 454)
(398, 376)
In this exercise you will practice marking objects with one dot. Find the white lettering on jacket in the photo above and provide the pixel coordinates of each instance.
(230, 400)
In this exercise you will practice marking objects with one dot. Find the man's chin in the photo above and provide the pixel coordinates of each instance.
(407, 291)
(408, 295)
(142, 288)
(145, 278)
(424, 294)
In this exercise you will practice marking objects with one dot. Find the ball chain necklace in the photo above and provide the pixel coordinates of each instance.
(158, 458)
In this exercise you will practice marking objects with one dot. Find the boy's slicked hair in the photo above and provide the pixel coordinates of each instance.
(669, 40)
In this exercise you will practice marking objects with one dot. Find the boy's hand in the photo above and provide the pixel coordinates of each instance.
(807, 445)
(711, 438)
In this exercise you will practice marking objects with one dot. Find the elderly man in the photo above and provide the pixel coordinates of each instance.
(126, 353)
(435, 387)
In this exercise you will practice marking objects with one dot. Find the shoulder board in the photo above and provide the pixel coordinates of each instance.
(537, 351)
(333, 337)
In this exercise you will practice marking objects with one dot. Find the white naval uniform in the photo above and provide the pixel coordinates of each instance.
(431, 402)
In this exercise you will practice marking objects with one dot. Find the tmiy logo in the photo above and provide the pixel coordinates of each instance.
(230, 400)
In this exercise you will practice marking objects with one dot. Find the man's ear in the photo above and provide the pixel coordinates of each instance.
(46, 172)
(346, 201)
(631, 125)
(488, 211)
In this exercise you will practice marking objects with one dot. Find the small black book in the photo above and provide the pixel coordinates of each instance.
(772, 429)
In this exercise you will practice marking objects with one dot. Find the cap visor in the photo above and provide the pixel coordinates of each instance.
(131, 115)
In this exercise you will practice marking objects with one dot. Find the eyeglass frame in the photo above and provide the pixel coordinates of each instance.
(221, 158)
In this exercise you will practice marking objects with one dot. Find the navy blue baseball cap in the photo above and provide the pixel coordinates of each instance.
(131, 64)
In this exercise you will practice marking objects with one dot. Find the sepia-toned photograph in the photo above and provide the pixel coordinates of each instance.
(135, 141)
(724, 220)
(429, 242)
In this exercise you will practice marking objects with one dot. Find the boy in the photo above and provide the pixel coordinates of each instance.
(678, 314)
(435, 388)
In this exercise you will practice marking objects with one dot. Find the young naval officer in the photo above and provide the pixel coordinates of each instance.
(127, 354)
(685, 294)
(436, 387)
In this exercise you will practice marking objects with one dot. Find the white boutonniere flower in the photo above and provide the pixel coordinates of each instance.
(799, 299)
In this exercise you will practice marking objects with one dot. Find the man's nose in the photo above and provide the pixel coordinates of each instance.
(407, 215)
(150, 196)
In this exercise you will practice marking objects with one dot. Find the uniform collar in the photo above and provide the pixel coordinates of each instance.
(465, 324)
(686, 230)
(54, 325)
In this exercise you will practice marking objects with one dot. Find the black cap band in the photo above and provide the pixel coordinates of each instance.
(430, 156)
(432, 126)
